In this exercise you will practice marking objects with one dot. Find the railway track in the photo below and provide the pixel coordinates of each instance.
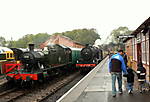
(37, 94)
(11, 95)
(6, 86)
(7, 91)
(43, 93)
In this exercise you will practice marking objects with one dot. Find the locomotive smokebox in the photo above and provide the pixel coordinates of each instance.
(31, 47)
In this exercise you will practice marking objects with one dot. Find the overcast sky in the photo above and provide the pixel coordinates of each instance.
(21, 17)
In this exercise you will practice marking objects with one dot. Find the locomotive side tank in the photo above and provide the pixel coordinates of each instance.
(57, 55)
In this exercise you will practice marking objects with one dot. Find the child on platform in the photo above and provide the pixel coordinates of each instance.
(130, 80)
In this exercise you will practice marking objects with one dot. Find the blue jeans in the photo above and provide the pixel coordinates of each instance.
(118, 76)
(130, 86)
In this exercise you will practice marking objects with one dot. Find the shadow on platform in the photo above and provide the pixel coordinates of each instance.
(135, 97)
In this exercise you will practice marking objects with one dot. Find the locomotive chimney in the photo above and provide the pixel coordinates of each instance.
(31, 47)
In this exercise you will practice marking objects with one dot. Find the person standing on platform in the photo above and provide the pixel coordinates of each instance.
(125, 58)
(141, 73)
(116, 67)
(130, 80)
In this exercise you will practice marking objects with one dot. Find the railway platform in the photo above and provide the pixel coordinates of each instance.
(96, 87)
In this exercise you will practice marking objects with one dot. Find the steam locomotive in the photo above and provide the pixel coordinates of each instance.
(90, 57)
(37, 65)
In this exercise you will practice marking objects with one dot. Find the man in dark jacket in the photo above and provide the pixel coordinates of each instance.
(116, 67)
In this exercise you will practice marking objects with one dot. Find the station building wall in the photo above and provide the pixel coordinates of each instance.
(138, 48)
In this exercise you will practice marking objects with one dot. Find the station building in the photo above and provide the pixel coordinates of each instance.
(137, 47)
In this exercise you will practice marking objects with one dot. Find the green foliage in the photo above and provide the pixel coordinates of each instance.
(117, 43)
(119, 31)
(2, 41)
(40, 38)
(83, 36)
(30, 38)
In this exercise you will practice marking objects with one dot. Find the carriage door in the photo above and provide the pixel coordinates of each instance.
(139, 53)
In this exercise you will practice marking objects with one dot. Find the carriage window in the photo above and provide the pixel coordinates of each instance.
(11, 55)
(7, 55)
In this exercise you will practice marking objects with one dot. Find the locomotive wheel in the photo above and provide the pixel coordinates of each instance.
(22, 84)
(27, 84)
(41, 81)
(32, 83)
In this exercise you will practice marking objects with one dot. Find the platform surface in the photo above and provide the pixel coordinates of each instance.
(96, 87)
(99, 90)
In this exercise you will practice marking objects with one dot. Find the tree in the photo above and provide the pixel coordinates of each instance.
(40, 38)
(83, 36)
(115, 41)
(119, 31)
(30, 38)
(2, 41)
(10, 43)
(24, 41)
